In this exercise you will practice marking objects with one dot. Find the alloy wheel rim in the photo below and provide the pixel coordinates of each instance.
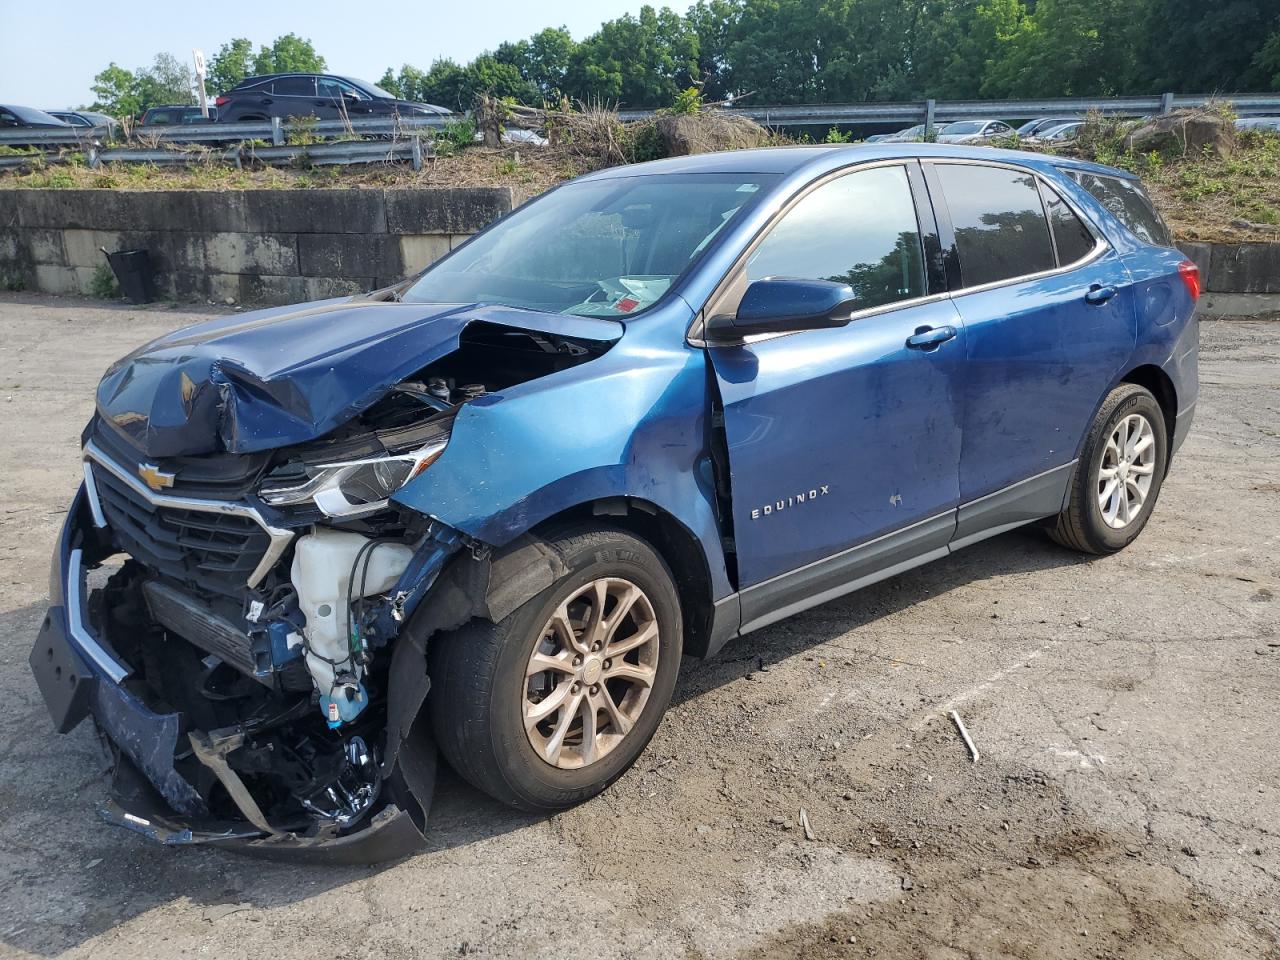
(1127, 470)
(591, 673)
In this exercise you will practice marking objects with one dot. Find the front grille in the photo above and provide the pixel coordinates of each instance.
(216, 476)
(212, 551)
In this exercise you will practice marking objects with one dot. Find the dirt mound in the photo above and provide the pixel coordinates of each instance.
(709, 130)
(1186, 132)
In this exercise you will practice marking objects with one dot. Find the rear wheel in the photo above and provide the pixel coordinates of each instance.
(1119, 475)
(553, 703)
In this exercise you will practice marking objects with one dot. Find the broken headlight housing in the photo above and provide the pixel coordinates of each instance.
(353, 487)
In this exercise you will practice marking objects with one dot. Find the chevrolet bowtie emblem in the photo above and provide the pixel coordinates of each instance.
(154, 477)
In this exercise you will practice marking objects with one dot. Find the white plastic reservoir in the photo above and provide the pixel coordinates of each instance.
(322, 563)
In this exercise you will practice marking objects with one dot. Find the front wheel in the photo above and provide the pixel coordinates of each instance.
(553, 703)
(1119, 475)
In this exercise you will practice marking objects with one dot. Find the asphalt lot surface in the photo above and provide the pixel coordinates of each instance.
(1127, 710)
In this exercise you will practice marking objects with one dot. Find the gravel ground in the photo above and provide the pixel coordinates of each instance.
(1126, 803)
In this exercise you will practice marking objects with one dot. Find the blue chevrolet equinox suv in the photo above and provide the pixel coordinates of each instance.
(482, 514)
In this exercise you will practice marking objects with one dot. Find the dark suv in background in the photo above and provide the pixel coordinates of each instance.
(314, 95)
(173, 114)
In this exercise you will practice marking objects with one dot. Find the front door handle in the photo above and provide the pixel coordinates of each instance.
(930, 338)
(1099, 294)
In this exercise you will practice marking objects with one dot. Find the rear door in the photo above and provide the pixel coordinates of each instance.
(838, 438)
(296, 97)
(1049, 322)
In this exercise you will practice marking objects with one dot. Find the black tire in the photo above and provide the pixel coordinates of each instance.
(479, 687)
(1081, 526)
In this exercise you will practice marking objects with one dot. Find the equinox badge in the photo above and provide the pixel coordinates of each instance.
(792, 501)
(154, 477)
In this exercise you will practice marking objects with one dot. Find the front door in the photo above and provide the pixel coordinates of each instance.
(845, 437)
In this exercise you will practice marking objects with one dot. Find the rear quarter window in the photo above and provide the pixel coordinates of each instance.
(1000, 226)
(1128, 202)
(1070, 235)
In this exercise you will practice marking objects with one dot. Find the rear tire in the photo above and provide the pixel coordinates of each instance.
(1119, 474)
(545, 739)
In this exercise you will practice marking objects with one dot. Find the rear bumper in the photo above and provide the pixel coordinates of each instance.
(79, 676)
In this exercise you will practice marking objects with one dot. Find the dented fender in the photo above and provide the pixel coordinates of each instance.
(632, 423)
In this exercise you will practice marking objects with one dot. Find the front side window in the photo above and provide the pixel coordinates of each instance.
(1000, 227)
(1128, 202)
(334, 89)
(603, 248)
(860, 229)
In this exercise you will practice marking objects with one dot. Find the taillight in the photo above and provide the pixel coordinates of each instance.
(221, 99)
(1190, 274)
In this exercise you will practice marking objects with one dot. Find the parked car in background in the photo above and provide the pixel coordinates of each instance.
(657, 408)
(1038, 126)
(85, 118)
(1063, 131)
(1258, 123)
(174, 114)
(974, 131)
(912, 134)
(325, 96)
(13, 117)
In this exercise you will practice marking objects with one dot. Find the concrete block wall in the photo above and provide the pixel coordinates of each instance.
(1236, 267)
(287, 246)
(250, 246)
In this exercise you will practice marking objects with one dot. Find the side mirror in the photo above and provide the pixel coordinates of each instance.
(778, 305)
(352, 96)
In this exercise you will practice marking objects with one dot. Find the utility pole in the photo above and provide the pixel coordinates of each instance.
(198, 56)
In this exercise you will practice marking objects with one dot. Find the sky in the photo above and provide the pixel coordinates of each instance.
(51, 49)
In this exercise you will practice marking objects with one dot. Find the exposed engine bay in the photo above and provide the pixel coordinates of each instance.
(266, 600)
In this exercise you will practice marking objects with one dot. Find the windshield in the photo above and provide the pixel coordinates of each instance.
(602, 248)
(32, 115)
(966, 126)
(372, 88)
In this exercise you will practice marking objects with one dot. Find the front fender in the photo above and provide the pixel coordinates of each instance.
(632, 423)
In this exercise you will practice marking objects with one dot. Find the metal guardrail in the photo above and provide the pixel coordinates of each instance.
(928, 111)
(276, 132)
(328, 153)
(273, 131)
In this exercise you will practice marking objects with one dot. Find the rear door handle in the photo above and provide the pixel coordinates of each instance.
(930, 338)
(1099, 294)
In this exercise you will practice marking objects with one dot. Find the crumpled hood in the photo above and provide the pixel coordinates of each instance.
(278, 377)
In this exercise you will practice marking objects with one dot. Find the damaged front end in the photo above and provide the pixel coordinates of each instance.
(247, 627)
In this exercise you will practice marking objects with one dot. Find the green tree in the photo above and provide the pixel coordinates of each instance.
(231, 64)
(121, 92)
(288, 54)
(1066, 48)
(715, 23)
(542, 60)
(1266, 63)
(1207, 47)
(116, 92)
(637, 62)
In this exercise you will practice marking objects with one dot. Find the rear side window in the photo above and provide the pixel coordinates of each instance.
(295, 87)
(1000, 226)
(1070, 235)
(859, 229)
(1128, 202)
